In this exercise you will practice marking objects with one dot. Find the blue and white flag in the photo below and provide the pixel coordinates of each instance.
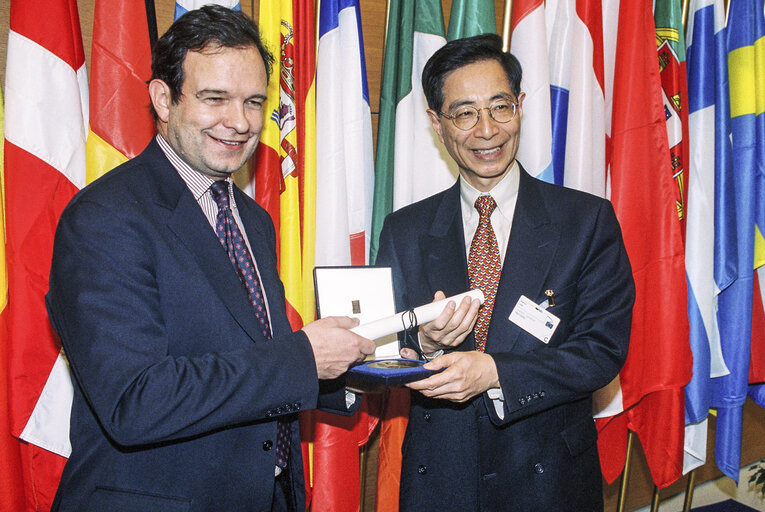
(710, 156)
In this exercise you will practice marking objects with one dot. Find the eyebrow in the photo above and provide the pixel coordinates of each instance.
(498, 96)
(223, 92)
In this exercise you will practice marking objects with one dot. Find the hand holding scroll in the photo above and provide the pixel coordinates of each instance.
(451, 327)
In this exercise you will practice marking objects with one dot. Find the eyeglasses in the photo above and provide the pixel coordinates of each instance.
(467, 116)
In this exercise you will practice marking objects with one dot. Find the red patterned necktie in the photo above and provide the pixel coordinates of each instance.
(232, 240)
(484, 267)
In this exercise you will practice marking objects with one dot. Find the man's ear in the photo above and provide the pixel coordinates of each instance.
(435, 121)
(159, 92)
(521, 96)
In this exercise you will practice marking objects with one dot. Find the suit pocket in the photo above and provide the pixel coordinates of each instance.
(580, 436)
(120, 500)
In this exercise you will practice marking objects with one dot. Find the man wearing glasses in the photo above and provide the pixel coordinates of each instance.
(507, 424)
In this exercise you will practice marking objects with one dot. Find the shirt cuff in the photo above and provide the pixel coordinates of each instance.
(432, 356)
(350, 399)
(498, 399)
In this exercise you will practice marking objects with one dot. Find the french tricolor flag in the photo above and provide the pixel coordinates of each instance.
(344, 158)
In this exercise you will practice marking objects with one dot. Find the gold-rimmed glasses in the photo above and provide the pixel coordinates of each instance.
(467, 116)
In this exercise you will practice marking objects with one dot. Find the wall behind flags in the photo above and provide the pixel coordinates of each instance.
(373, 13)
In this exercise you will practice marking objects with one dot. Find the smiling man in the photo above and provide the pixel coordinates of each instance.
(165, 293)
(507, 425)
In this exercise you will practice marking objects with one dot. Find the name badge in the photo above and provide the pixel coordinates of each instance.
(534, 319)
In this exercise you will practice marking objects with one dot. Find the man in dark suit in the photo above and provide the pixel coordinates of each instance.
(187, 381)
(507, 425)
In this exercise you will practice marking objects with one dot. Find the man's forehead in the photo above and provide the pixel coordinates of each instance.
(223, 68)
(478, 76)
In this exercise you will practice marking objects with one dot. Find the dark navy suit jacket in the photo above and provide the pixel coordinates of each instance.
(175, 390)
(543, 455)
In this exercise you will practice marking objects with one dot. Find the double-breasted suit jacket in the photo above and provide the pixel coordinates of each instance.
(176, 391)
(542, 454)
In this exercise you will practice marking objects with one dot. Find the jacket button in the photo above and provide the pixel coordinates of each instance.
(422, 469)
(267, 445)
(539, 468)
(426, 416)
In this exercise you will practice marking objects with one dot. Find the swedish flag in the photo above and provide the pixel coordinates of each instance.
(746, 68)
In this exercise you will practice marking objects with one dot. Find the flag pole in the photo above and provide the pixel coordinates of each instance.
(363, 476)
(506, 25)
(625, 474)
(685, 13)
(385, 34)
(317, 22)
(655, 499)
(689, 491)
(727, 11)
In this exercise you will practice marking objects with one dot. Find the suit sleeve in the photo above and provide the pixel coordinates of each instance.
(387, 257)
(106, 304)
(592, 347)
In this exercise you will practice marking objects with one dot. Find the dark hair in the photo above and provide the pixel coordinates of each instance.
(461, 52)
(211, 25)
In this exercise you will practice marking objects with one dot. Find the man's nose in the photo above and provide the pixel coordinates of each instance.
(236, 118)
(486, 126)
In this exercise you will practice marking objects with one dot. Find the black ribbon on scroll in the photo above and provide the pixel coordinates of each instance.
(409, 324)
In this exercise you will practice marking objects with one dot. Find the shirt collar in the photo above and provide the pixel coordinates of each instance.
(503, 192)
(197, 182)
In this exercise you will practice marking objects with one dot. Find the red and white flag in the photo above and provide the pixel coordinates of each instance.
(46, 113)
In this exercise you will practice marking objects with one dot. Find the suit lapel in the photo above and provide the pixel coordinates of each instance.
(190, 225)
(530, 250)
(445, 264)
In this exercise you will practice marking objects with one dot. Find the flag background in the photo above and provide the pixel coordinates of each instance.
(45, 128)
(709, 155)
(373, 14)
(344, 184)
(745, 36)
(642, 191)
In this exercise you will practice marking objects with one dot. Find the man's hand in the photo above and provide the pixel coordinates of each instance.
(466, 375)
(451, 327)
(335, 348)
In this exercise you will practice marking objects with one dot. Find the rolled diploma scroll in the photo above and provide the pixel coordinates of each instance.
(400, 321)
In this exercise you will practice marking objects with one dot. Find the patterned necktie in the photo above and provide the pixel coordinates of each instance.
(232, 240)
(484, 267)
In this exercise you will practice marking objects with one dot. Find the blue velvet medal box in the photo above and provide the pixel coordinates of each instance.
(379, 374)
